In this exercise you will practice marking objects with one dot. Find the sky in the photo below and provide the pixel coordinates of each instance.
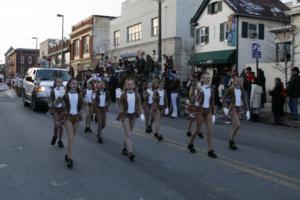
(20, 20)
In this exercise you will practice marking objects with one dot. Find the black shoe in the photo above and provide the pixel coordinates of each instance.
(160, 138)
(191, 148)
(66, 158)
(189, 134)
(60, 144)
(86, 129)
(200, 135)
(125, 152)
(212, 154)
(90, 130)
(232, 145)
(100, 140)
(148, 129)
(53, 141)
(156, 135)
(70, 163)
(131, 157)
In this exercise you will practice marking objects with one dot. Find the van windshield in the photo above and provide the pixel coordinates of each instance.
(51, 75)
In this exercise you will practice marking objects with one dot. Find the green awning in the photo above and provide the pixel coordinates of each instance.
(214, 57)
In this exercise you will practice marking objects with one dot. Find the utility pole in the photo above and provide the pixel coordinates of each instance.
(159, 33)
(62, 38)
(36, 49)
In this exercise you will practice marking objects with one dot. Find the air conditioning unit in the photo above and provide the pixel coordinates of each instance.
(253, 35)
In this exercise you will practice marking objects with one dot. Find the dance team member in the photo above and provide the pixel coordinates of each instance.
(88, 105)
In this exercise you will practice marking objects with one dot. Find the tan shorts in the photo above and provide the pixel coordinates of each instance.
(74, 118)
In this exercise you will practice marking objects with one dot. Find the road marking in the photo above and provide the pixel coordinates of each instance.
(251, 169)
(3, 165)
(53, 183)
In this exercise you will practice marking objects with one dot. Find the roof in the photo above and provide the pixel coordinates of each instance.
(264, 9)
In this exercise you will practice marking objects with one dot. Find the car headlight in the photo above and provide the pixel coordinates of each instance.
(40, 89)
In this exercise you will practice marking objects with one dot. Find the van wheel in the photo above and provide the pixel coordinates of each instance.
(34, 105)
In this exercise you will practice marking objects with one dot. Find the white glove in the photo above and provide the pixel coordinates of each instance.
(166, 111)
(118, 93)
(248, 115)
(226, 111)
(213, 119)
(187, 102)
(142, 117)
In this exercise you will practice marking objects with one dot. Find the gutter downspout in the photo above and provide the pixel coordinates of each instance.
(237, 44)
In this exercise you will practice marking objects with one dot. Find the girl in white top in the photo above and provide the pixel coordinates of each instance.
(160, 107)
(130, 109)
(102, 106)
(57, 93)
(89, 97)
(73, 102)
(205, 114)
(147, 104)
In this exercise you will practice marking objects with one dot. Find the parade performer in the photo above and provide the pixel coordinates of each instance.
(88, 95)
(237, 98)
(147, 104)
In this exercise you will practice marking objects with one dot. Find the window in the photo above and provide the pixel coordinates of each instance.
(224, 31)
(215, 7)
(204, 35)
(283, 51)
(253, 31)
(117, 35)
(86, 45)
(22, 60)
(50, 75)
(198, 36)
(76, 48)
(134, 33)
(29, 60)
(192, 31)
(154, 27)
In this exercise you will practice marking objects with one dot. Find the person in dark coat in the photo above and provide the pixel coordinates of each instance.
(277, 101)
(293, 91)
(261, 81)
(216, 80)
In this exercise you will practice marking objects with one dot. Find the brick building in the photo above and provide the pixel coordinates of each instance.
(54, 54)
(20, 60)
(89, 41)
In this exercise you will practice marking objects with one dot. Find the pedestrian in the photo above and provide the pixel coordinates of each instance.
(215, 83)
(147, 104)
(174, 89)
(255, 100)
(293, 91)
(237, 98)
(73, 102)
(130, 109)
(102, 106)
(205, 113)
(261, 81)
(57, 109)
(88, 95)
(159, 108)
(227, 78)
(277, 101)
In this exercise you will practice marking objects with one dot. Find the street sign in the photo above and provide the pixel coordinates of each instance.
(256, 53)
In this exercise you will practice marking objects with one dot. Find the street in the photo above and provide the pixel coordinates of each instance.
(266, 166)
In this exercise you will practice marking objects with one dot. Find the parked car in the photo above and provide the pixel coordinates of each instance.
(37, 85)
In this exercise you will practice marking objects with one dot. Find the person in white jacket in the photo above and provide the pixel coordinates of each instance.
(255, 100)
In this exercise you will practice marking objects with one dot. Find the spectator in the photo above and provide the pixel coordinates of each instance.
(227, 78)
(216, 79)
(277, 101)
(261, 81)
(255, 100)
(293, 91)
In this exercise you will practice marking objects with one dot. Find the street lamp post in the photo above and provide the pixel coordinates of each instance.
(36, 49)
(62, 38)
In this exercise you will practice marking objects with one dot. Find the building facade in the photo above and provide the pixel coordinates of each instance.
(45, 47)
(20, 60)
(89, 41)
(54, 55)
(136, 30)
(226, 31)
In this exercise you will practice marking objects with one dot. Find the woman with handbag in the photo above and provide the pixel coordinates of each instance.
(73, 102)
(57, 107)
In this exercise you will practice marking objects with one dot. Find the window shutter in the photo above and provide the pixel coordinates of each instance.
(198, 36)
(261, 31)
(244, 29)
(209, 9)
(222, 29)
(207, 35)
(220, 6)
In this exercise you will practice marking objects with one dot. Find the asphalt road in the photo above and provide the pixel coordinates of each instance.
(266, 166)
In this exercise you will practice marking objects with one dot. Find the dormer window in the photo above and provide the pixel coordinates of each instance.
(215, 7)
